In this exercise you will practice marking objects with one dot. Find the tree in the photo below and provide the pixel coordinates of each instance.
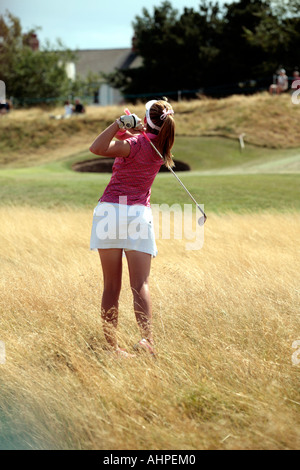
(211, 46)
(278, 35)
(31, 75)
(242, 58)
(178, 51)
(156, 37)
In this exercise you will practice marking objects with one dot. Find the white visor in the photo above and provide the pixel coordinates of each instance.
(148, 107)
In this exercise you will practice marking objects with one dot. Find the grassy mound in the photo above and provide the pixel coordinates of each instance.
(29, 136)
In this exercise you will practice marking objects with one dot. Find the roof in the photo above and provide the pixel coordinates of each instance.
(105, 60)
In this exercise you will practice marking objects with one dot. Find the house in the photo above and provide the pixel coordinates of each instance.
(103, 61)
(97, 61)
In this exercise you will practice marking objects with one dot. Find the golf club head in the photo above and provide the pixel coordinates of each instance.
(202, 220)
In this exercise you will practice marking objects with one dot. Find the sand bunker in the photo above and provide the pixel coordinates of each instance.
(104, 165)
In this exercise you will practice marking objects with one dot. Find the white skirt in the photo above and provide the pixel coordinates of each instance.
(122, 226)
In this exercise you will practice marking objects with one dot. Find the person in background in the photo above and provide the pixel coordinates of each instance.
(68, 109)
(9, 105)
(281, 85)
(5, 107)
(296, 78)
(79, 108)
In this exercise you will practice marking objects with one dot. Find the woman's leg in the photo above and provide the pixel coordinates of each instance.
(111, 261)
(139, 265)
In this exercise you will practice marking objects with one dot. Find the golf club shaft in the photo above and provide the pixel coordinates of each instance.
(172, 171)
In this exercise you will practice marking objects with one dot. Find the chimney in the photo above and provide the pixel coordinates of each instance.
(133, 44)
(33, 42)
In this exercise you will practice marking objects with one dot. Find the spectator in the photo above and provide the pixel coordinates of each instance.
(4, 107)
(282, 83)
(79, 108)
(68, 110)
(9, 105)
(296, 78)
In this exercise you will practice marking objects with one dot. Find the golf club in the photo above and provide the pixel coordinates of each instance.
(202, 219)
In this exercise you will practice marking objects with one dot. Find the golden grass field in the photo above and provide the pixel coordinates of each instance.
(225, 319)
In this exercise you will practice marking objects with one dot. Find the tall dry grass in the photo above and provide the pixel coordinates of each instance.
(225, 319)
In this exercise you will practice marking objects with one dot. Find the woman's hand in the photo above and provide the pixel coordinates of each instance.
(130, 121)
(137, 130)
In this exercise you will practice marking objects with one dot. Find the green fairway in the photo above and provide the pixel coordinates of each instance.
(212, 154)
(236, 193)
(220, 180)
(219, 193)
(215, 153)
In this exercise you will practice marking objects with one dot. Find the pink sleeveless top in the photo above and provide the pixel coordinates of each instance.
(133, 176)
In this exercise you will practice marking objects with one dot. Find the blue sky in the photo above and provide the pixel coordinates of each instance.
(85, 24)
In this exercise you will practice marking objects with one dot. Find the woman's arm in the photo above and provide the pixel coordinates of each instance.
(123, 134)
(104, 146)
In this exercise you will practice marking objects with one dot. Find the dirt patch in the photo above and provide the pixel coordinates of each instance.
(104, 165)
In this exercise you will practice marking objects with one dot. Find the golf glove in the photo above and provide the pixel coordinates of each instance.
(129, 122)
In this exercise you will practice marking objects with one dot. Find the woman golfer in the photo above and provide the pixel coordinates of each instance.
(122, 220)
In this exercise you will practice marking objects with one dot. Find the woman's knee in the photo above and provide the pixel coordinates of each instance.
(112, 288)
(140, 288)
